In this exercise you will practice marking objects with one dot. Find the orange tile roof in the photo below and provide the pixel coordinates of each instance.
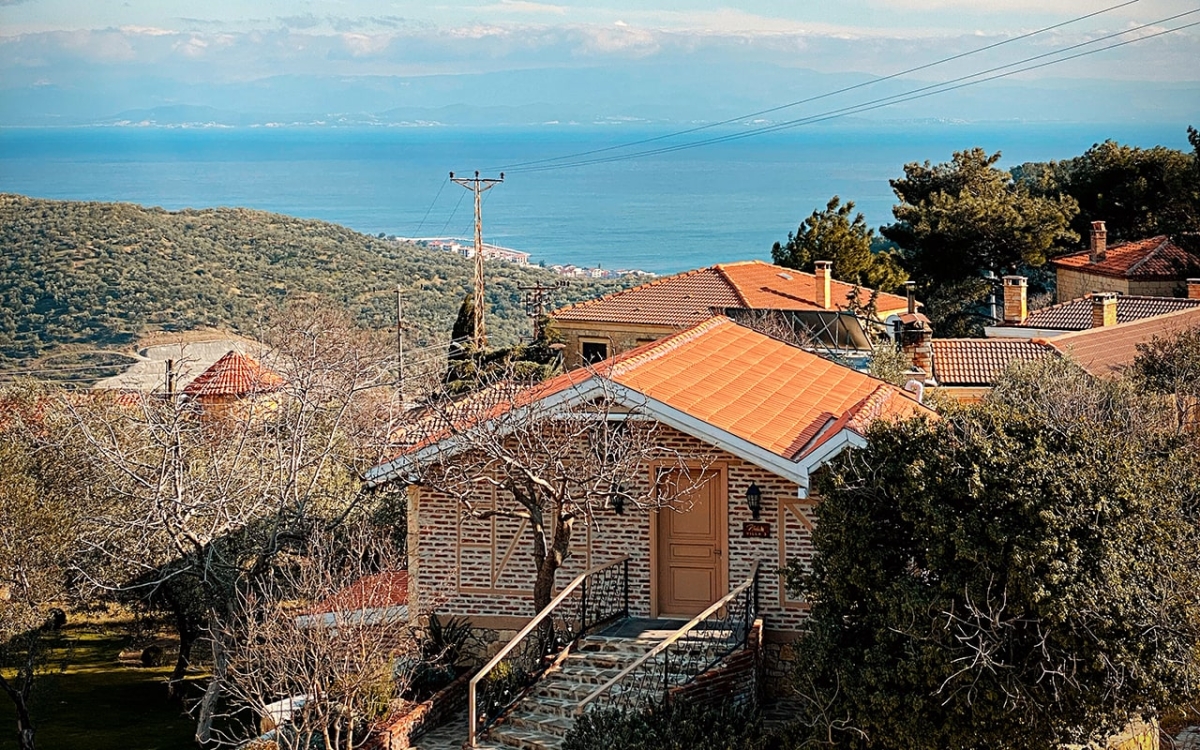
(762, 390)
(690, 297)
(377, 591)
(1110, 350)
(235, 374)
(980, 362)
(1151, 258)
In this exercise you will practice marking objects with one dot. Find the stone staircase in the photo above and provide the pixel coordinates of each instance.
(542, 719)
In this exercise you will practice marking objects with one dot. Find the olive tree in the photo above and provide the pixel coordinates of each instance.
(1021, 574)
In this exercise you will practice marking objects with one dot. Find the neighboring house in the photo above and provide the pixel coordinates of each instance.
(1094, 310)
(966, 369)
(379, 599)
(1153, 267)
(615, 323)
(231, 380)
(770, 413)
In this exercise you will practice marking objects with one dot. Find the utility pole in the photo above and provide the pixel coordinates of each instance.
(478, 186)
(535, 302)
(400, 341)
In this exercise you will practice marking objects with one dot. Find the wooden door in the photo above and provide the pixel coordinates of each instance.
(691, 557)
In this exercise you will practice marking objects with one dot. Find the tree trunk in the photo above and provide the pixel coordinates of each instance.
(19, 693)
(188, 633)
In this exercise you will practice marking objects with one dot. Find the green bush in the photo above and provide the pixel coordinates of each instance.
(671, 727)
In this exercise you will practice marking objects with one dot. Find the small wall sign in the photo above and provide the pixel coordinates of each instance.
(756, 529)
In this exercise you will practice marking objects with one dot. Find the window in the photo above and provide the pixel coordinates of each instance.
(594, 351)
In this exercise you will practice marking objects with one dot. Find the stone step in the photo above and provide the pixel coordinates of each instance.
(541, 721)
(524, 738)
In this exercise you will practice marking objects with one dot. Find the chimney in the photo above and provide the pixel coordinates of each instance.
(1016, 299)
(1099, 246)
(916, 343)
(1104, 309)
(1193, 288)
(823, 294)
(910, 290)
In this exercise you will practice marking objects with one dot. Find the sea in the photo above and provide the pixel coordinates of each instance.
(662, 212)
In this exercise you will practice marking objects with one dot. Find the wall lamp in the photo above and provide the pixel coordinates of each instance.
(754, 499)
(616, 499)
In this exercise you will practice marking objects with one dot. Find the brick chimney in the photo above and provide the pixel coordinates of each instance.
(1104, 309)
(1193, 288)
(1016, 299)
(1099, 245)
(823, 299)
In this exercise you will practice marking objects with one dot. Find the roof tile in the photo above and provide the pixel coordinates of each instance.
(1151, 258)
(980, 362)
(1076, 314)
(688, 298)
(235, 374)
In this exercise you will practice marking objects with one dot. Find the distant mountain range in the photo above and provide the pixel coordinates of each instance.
(611, 93)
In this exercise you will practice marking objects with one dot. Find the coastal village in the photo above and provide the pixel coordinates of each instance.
(622, 533)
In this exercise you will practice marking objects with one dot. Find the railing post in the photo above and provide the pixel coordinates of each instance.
(583, 623)
(625, 576)
(472, 721)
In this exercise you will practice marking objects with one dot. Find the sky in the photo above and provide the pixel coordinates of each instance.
(57, 41)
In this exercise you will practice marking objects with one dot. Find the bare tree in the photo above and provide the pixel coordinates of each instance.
(189, 501)
(37, 523)
(310, 673)
(556, 453)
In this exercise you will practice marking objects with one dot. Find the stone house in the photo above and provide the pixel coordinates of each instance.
(616, 323)
(1152, 267)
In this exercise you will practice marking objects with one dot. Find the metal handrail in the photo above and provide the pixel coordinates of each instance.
(537, 620)
(671, 639)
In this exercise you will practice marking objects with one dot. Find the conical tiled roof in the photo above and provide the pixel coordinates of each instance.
(237, 375)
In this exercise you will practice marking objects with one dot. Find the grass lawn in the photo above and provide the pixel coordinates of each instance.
(85, 699)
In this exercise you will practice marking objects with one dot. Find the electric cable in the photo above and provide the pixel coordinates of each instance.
(846, 89)
(910, 95)
(426, 216)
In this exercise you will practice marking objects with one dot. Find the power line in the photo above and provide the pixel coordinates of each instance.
(518, 166)
(456, 205)
(911, 95)
(426, 216)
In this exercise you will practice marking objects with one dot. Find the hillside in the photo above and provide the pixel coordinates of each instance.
(98, 275)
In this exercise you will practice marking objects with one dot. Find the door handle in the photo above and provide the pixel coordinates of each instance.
(717, 552)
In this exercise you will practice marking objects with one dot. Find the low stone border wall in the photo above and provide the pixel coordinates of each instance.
(399, 732)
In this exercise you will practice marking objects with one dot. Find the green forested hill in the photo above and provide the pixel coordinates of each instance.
(101, 274)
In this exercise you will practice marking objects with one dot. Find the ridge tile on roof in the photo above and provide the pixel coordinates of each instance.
(1110, 350)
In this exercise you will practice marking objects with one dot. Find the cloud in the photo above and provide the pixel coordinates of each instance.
(523, 6)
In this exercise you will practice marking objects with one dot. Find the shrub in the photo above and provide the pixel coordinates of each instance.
(671, 727)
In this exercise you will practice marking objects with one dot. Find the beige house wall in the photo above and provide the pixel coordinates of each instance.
(483, 569)
(620, 337)
(1074, 284)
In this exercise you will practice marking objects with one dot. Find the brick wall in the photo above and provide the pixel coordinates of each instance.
(484, 569)
(733, 682)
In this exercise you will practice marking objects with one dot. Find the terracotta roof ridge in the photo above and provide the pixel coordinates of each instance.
(634, 359)
(619, 292)
(737, 291)
(811, 432)
(1148, 256)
